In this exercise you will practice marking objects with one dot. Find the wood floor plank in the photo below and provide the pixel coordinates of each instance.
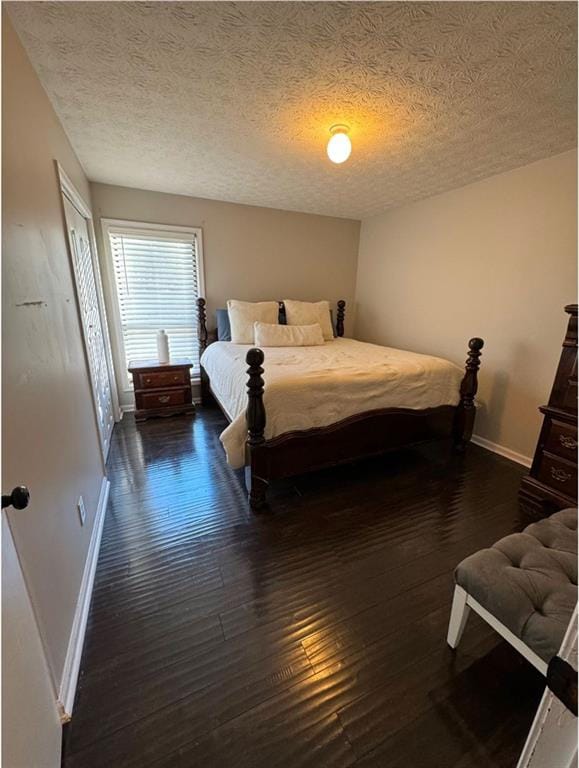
(310, 636)
(456, 730)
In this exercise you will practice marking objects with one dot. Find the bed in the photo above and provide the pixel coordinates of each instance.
(297, 410)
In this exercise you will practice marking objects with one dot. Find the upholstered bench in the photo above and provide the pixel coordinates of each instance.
(525, 587)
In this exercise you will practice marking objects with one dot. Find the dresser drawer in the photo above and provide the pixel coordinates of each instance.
(562, 440)
(559, 474)
(162, 399)
(161, 379)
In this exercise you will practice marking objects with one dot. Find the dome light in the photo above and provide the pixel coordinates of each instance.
(339, 146)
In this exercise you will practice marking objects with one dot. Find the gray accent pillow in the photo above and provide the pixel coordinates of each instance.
(223, 327)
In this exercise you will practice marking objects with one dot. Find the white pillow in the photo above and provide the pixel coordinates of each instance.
(267, 335)
(243, 314)
(308, 313)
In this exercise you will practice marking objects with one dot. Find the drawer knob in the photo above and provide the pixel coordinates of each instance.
(164, 398)
(560, 475)
(175, 378)
(147, 381)
(567, 442)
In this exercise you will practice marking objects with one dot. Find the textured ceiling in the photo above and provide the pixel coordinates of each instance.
(233, 101)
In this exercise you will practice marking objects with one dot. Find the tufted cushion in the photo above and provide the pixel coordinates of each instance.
(528, 581)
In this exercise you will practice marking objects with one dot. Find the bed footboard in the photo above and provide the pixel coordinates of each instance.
(361, 435)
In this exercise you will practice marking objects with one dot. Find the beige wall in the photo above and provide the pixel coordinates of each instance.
(50, 440)
(495, 259)
(250, 253)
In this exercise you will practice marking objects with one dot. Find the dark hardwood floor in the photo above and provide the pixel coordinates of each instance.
(312, 636)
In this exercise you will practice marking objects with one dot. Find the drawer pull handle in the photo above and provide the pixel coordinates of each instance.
(175, 378)
(164, 398)
(567, 442)
(560, 475)
(147, 381)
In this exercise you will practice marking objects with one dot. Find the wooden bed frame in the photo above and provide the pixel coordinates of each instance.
(359, 436)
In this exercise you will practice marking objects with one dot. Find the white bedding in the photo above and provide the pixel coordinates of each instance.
(309, 387)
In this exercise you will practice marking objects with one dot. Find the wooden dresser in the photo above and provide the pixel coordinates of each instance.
(552, 481)
(162, 389)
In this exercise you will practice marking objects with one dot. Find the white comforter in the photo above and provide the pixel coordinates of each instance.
(309, 387)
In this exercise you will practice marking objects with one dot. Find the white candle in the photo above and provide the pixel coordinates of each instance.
(162, 347)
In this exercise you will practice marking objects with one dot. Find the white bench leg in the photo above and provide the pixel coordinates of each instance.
(458, 617)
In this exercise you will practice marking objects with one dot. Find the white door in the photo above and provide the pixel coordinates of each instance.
(86, 287)
(552, 740)
(31, 729)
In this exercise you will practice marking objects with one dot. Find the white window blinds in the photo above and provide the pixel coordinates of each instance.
(157, 276)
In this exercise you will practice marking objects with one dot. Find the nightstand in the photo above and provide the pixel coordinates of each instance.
(162, 389)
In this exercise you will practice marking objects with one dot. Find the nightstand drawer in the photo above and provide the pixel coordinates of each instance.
(161, 379)
(562, 440)
(162, 399)
(558, 474)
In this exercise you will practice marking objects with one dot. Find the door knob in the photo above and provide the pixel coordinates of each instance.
(18, 499)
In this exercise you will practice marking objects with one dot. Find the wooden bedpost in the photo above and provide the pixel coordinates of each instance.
(255, 418)
(202, 325)
(340, 317)
(281, 316)
(466, 410)
(203, 337)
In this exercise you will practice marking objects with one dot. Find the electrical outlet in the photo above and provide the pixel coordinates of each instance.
(81, 510)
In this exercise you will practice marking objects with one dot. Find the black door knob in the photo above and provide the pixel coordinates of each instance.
(18, 499)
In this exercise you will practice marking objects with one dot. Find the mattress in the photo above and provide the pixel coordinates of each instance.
(307, 387)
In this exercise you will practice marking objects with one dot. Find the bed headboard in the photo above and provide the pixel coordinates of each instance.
(208, 337)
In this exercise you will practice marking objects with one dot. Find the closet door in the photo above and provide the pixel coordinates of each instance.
(88, 304)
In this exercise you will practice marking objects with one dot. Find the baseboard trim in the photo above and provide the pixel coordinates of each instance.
(502, 451)
(75, 644)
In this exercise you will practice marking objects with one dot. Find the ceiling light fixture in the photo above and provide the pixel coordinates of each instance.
(339, 146)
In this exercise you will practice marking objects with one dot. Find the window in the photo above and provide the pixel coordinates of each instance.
(158, 279)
